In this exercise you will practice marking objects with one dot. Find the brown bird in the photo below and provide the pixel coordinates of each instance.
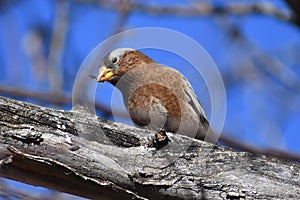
(155, 96)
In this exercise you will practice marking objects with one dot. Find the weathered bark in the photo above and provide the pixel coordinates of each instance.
(79, 153)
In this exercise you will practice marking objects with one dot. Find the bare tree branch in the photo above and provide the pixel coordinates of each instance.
(264, 151)
(295, 6)
(198, 8)
(55, 72)
(54, 98)
(42, 146)
(62, 99)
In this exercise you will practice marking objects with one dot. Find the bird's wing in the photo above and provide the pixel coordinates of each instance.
(193, 100)
(189, 95)
(204, 131)
(191, 104)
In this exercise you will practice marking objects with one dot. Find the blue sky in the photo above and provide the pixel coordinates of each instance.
(257, 113)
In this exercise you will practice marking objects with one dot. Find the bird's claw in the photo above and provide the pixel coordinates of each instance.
(160, 139)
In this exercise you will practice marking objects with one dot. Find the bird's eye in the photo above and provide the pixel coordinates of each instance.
(115, 60)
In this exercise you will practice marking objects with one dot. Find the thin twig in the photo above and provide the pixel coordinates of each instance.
(59, 99)
(255, 150)
(197, 8)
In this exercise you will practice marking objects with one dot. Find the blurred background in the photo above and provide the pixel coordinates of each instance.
(255, 45)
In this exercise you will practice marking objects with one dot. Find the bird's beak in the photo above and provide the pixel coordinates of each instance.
(104, 74)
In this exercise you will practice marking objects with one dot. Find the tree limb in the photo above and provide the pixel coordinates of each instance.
(79, 153)
(53, 98)
(198, 8)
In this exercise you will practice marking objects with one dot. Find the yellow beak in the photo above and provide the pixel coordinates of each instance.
(104, 74)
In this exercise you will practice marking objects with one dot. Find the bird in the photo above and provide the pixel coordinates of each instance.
(155, 96)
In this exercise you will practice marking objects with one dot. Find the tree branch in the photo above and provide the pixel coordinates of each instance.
(79, 153)
(197, 8)
(53, 98)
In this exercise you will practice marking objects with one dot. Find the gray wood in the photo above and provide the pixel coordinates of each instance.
(79, 153)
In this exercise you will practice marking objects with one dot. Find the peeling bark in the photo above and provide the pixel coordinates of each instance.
(79, 153)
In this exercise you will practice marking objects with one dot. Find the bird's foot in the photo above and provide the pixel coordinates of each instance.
(160, 139)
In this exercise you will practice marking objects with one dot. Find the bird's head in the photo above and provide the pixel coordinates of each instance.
(118, 62)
